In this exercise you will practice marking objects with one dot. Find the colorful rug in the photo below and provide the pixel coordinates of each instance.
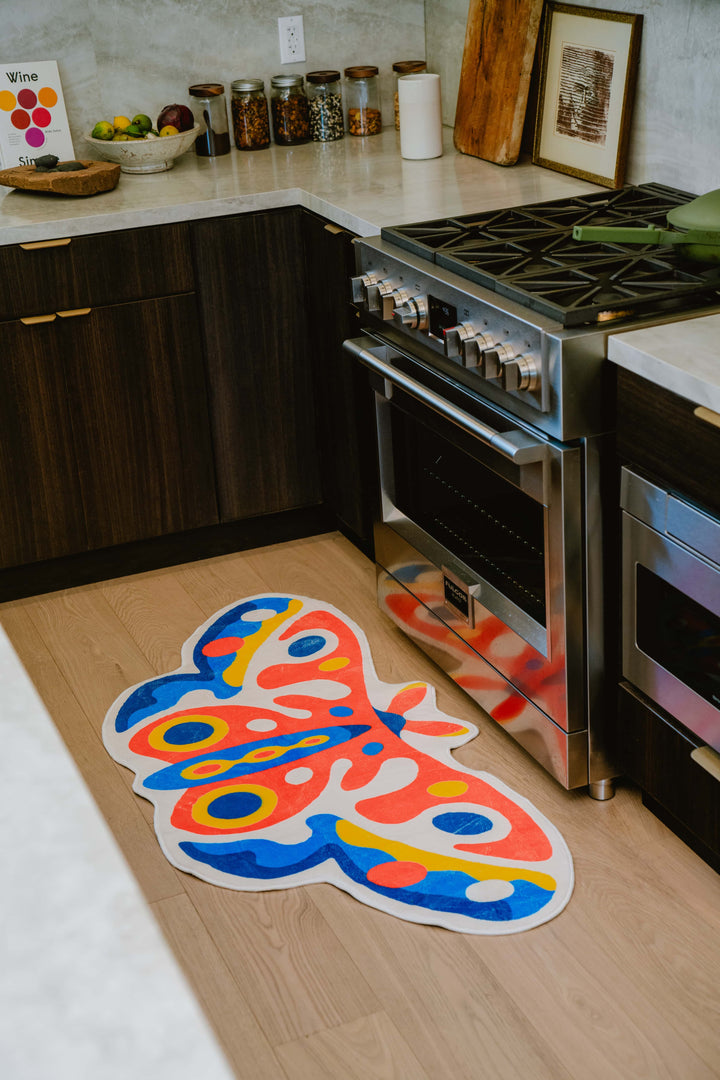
(275, 757)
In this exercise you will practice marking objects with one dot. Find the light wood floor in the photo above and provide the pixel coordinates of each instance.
(308, 983)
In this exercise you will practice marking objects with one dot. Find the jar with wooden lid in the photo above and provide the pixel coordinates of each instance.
(207, 101)
(289, 108)
(405, 67)
(250, 117)
(325, 105)
(363, 100)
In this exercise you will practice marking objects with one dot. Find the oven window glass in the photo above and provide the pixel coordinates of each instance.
(482, 519)
(678, 633)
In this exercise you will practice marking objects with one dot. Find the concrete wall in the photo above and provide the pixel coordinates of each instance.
(675, 136)
(139, 55)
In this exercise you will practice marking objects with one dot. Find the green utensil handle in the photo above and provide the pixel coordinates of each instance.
(618, 235)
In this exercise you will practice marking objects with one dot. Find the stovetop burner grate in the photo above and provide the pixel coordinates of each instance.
(527, 254)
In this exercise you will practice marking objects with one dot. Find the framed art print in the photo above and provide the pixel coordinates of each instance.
(588, 72)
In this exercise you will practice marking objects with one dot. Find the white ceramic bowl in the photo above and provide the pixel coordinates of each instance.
(145, 155)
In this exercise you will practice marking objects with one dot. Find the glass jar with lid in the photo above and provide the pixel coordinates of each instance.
(363, 100)
(207, 101)
(405, 67)
(289, 107)
(325, 106)
(250, 118)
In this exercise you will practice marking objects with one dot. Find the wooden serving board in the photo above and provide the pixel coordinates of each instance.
(98, 176)
(500, 41)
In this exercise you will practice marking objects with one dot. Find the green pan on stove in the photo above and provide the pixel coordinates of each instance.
(695, 226)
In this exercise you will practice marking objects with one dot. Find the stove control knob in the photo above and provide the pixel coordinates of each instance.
(381, 299)
(454, 337)
(413, 313)
(520, 373)
(360, 285)
(472, 350)
(492, 359)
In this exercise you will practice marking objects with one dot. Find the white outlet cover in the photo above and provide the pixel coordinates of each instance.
(292, 39)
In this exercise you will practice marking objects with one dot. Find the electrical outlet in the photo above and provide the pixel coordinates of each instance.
(292, 39)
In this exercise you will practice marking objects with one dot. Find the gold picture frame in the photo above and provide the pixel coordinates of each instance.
(588, 72)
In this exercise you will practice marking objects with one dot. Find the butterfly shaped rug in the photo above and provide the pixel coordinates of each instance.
(275, 757)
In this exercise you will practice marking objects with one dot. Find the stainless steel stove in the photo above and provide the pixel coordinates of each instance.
(486, 339)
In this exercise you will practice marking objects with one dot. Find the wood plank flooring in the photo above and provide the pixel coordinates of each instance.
(308, 984)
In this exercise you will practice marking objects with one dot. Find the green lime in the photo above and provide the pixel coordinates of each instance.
(103, 130)
(142, 121)
(134, 131)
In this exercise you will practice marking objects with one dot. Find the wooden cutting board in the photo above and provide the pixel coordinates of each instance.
(500, 41)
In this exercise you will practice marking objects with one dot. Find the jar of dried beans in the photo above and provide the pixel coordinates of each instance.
(405, 67)
(250, 119)
(325, 103)
(363, 100)
(290, 112)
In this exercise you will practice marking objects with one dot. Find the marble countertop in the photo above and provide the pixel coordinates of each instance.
(683, 357)
(360, 184)
(89, 987)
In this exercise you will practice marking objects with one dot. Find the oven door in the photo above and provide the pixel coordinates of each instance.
(671, 604)
(481, 523)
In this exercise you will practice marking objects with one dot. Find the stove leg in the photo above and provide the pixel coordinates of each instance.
(602, 790)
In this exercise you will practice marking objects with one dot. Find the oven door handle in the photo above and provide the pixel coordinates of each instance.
(516, 446)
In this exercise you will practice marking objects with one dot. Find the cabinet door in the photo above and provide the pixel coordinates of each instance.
(109, 268)
(346, 423)
(250, 278)
(139, 417)
(42, 515)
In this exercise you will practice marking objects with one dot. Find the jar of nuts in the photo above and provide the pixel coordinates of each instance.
(325, 100)
(290, 112)
(405, 67)
(363, 100)
(249, 110)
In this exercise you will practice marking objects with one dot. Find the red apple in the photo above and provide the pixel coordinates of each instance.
(178, 116)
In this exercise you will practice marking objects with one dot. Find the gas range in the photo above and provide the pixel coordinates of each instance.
(510, 305)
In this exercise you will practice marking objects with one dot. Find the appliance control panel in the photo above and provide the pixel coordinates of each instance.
(469, 325)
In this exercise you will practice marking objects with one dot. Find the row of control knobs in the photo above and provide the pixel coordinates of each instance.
(463, 343)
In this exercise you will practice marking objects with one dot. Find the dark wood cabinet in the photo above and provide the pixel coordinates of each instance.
(42, 513)
(346, 422)
(110, 268)
(159, 381)
(657, 755)
(666, 436)
(250, 278)
(106, 435)
(137, 398)
(667, 632)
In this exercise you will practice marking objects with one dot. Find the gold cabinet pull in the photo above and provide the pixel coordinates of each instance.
(36, 244)
(707, 415)
(335, 229)
(31, 320)
(73, 312)
(708, 759)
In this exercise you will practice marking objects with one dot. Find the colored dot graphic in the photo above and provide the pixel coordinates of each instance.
(30, 112)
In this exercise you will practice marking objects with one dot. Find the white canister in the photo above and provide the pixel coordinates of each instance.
(420, 116)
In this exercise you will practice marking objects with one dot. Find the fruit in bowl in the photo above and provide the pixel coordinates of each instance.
(177, 116)
(144, 155)
(138, 147)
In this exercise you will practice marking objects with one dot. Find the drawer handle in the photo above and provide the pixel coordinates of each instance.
(31, 320)
(73, 312)
(708, 759)
(37, 244)
(707, 415)
(334, 229)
